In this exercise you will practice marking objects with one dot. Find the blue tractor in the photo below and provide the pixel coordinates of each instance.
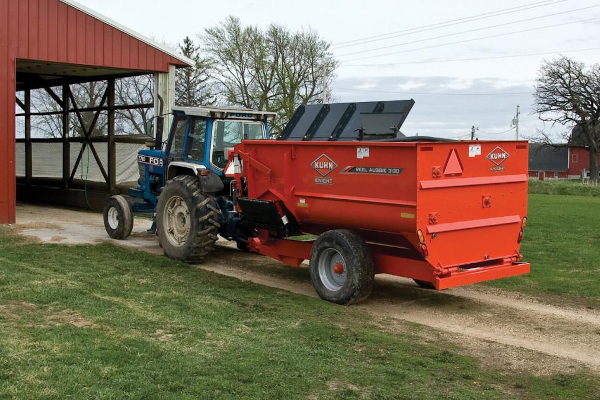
(183, 185)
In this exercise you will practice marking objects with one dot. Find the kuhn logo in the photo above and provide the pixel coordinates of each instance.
(324, 165)
(497, 156)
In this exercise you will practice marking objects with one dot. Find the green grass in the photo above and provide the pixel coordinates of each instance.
(562, 243)
(563, 187)
(101, 322)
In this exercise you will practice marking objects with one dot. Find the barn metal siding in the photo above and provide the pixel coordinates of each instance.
(49, 30)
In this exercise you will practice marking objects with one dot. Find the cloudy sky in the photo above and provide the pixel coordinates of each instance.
(464, 62)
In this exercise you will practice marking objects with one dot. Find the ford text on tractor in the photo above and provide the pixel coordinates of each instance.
(342, 188)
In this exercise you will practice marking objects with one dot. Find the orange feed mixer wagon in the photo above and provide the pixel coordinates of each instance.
(444, 213)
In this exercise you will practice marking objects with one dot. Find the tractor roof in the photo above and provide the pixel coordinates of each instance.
(224, 112)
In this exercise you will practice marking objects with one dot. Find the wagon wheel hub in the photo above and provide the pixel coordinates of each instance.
(338, 268)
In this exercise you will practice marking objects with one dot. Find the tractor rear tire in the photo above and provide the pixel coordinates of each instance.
(341, 267)
(186, 220)
(118, 219)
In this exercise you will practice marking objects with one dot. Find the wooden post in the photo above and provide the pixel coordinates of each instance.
(28, 153)
(112, 156)
(66, 144)
(164, 98)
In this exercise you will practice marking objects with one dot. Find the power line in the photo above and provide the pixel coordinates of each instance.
(444, 24)
(435, 93)
(473, 59)
(474, 39)
(468, 31)
(496, 133)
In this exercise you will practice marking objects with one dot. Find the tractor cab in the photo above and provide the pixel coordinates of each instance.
(198, 143)
(201, 138)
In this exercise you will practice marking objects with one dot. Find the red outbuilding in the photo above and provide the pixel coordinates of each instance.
(59, 42)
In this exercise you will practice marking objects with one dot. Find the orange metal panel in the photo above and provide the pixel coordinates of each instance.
(484, 180)
(468, 277)
(474, 223)
(387, 191)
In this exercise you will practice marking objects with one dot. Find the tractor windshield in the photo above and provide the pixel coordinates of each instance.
(227, 134)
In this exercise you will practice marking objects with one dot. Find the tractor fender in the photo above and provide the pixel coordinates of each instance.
(209, 180)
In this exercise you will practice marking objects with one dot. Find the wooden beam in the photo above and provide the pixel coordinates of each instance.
(54, 96)
(112, 150)
(28, 147)
(21, 104)
(66, 148)
(87, 132)
(92, 109)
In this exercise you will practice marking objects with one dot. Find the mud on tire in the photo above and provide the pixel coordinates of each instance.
(341, 267)
(186, 220)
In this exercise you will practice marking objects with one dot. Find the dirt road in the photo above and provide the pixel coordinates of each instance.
(505, 330)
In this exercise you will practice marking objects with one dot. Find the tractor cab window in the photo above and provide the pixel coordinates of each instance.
(176, 150)
(227, 134)
(196, 140)
(253, 131)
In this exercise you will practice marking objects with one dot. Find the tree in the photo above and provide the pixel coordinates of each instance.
(134, 90)
(568, 93)
(303, 62)
(194, 86)
(273, 70)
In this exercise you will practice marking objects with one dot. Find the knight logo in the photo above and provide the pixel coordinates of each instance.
(324, 165)
(497, 156)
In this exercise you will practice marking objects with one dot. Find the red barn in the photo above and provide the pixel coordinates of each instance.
(557, 162)
(63, 41)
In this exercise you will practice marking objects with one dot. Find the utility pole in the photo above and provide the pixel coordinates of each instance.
(473, 132)
(324, 85)
(516, 122)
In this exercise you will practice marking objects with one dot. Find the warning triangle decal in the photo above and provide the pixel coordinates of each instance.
(453, 165)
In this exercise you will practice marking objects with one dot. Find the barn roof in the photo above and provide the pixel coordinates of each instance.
(545, 157)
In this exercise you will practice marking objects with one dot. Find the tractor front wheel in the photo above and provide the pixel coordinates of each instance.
(118, 219)
(186, 220)
(341, 267)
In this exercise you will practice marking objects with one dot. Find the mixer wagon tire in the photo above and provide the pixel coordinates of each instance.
(118, 219)
(186, 220)
(341, 267)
